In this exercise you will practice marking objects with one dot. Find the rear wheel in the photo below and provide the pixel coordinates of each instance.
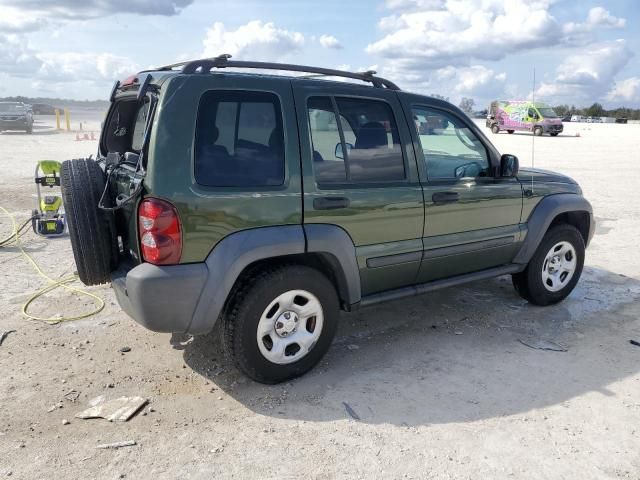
(554, 269)
(495, 128)
(537, 131)
(92, 230)
(510, 131)
(553, 134)
(281, 323)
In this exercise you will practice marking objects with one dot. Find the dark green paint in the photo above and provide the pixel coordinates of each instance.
(383, 220)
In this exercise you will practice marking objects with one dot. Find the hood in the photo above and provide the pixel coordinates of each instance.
(543, 176)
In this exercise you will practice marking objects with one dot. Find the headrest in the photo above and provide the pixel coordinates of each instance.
(371, 135)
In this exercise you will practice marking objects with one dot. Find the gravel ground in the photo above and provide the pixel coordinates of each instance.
(437, 386)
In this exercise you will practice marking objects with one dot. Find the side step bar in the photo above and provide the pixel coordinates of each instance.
(438, 284)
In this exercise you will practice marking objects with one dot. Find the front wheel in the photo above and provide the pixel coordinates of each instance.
(537, 131)
(281, 322)
(553, 134)
(495, 128)
(510, 131)
(554, 269)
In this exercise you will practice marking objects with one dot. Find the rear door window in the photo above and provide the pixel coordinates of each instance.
(239, 140)
(363, 148)
(139, 126)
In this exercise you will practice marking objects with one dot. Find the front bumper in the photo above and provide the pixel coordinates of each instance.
(160, 298)
(19, 124)
(553, 128)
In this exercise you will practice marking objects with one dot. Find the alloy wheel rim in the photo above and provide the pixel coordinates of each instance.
(290, 327)
(559, 266)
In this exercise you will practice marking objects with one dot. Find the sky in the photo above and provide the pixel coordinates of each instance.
(582, 51)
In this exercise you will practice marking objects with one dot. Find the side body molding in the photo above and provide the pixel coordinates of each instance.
(229, 258)
(547, 209)
(337, 248)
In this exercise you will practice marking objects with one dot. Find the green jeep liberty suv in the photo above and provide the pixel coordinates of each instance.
(270, 202)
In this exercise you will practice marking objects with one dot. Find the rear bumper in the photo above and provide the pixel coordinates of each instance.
(160, 298)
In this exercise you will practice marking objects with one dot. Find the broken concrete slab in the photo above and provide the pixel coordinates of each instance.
(118, 410)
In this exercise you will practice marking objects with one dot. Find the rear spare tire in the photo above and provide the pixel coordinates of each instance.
(92, 230)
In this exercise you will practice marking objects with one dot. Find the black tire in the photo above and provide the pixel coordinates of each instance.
(495, 128)
(91, 230)
(538, 131)
(553, 134)
(249, 302)
(529, 283)
(510, 131)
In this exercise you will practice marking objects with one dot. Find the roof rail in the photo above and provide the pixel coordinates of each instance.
(205, 65)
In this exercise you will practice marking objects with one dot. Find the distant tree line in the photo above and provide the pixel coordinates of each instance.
(597, 110)
(58, 102)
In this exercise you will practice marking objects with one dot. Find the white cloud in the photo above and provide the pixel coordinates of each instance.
(588, 75)
(62, 67)
(414, 4)
(23, 16)
(627, 90)
(437, 35)
(476, 81)
(16, 58)
(598, 16)
(434, 34)
(12, 20)
(582, 33)
(60, 71)
(83, 9)
(329, 41)
(255, 40)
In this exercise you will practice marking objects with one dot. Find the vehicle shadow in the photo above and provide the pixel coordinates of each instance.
(451, 356)
(36, 131)
(529, 134)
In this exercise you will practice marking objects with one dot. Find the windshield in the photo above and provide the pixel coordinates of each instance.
(547, 112)
(11, 107)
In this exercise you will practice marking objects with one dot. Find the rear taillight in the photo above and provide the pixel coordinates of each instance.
(160, 233)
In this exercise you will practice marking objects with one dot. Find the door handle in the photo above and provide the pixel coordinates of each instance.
(330, 203)
(445, 197)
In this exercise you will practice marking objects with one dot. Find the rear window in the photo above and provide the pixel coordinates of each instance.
(239, 140)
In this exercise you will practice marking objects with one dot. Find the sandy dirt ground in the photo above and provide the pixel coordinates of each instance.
(440, 384)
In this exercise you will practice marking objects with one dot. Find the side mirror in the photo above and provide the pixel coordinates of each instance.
(509, 165)
(338, 151)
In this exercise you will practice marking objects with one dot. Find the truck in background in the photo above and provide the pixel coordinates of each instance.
(523, 115)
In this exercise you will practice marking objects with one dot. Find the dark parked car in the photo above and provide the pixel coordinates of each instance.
(16, 116)
(230, 197)
(43, 109)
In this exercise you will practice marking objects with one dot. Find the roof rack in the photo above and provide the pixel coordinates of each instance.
(205, 65)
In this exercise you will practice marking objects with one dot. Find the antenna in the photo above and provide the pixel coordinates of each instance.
(533, 137)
